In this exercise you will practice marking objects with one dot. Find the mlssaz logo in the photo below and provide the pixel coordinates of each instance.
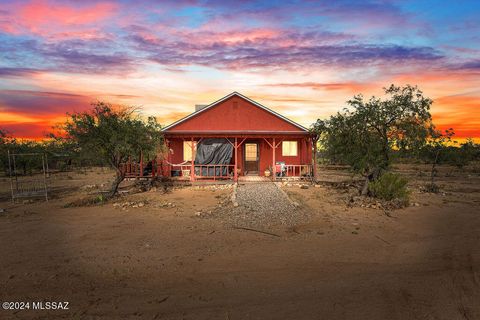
(50, 305)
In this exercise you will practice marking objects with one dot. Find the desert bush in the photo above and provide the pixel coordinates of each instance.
(432, 187)
(390, 186)
(88, 201)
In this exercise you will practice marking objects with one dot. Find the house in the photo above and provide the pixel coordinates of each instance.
(235, 137)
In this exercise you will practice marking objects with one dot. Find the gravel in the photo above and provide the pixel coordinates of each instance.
(261, 205)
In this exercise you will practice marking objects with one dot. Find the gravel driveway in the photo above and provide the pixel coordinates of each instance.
(261, 205)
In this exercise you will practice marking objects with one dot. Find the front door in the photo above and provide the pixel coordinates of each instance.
(251, 158)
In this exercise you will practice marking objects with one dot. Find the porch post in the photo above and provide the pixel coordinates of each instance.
(154, 166)
(235, 174)
(314, 141)
(168, 167)
(192, 165)
(141, 163)
(274, 167)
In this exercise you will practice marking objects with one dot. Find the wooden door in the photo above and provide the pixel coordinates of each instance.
(251, 158)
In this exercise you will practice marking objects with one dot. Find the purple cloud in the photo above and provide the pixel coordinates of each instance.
(79, 56)
(280, 49)
(17, 72)
(238, 57)
(41, 103)
(470, 65)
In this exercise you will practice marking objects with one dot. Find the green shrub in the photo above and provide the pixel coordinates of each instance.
(88, 201)
(390, 186)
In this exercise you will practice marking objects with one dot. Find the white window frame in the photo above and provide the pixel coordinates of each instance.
(290, 148)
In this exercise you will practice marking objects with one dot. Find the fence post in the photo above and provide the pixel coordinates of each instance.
(235, 173)
(141, 163)
(154, 166)
(46, 164)
(192, 165)
(10, 173)
(314, 141)
(274, 167)
(44, 177)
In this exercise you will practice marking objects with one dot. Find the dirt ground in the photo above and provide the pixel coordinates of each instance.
(151, 255)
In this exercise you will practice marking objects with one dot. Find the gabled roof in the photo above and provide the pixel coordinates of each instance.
(227, 97)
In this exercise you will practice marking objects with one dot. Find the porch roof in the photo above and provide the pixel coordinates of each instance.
(239, 133)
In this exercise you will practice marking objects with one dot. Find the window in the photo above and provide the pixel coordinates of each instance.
(251, 152)
(289, 148)
(187, 150)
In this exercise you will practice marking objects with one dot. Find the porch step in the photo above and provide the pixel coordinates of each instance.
(254, 179)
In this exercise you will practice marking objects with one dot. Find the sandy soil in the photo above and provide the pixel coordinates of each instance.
(162, 261)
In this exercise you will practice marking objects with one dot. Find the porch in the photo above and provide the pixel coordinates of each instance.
(252, 155)
(134, 170)
(253, 158)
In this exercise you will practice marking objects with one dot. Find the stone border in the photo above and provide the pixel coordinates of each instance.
(293, 203)
(234, 195)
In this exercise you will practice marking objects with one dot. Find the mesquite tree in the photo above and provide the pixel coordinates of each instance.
(113, 134)
(435, 150)
(365, 134)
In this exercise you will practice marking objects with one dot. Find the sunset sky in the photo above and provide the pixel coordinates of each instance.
(303, 59)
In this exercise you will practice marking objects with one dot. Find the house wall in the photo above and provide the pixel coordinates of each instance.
(266, 159)
(176, 151)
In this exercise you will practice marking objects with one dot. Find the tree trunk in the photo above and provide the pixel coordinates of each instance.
(364, 191)
(118, 179)
(370, 177)
(434, 168)
(432, 173)
(386, 150)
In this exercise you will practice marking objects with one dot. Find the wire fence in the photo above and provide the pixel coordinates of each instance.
(31, 180)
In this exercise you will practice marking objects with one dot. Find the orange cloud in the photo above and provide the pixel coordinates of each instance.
(462, 113)
(31, 114)
(30, 131)
(25, 126)
(353, 87)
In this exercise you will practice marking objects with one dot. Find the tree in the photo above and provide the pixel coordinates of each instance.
(436, 151)
(6, 142)
(440, 149)
(113, 134)
(468, 151)
(23, 164)
(27, 164)
(365, 134)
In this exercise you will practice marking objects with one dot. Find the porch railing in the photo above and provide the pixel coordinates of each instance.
(204, 171)
(149, 169)
(296, 170)
(132, 169)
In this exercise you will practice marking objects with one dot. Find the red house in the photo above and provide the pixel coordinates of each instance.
(235, 137)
